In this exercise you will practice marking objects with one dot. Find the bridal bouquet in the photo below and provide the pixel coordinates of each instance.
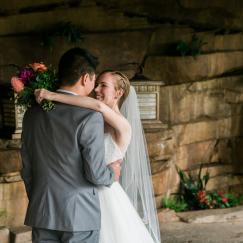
(31, 77)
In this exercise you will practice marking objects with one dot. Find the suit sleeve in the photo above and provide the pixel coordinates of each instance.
(93, 151)
(26, 171)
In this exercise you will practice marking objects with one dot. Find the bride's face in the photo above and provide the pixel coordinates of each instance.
(105, 90)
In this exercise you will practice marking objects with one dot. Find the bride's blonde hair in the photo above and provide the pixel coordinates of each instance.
(121, 83)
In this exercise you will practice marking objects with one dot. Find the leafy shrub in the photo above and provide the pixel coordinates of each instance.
(195, 195)
(174, 203)
(190, 186)
(192, 48)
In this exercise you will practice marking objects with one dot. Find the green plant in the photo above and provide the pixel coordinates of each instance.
(239, 199)
(174, 203)
(232, 199)
(193, 191)
(192, 48)
(191, 185)
(2, 213)
(67, 30)
(216, 200)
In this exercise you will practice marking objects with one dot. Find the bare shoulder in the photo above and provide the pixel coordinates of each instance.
(125, 125)
(123, 135)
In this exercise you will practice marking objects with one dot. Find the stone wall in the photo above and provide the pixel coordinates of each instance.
(205, 123)
(201, 103)
(13, 198)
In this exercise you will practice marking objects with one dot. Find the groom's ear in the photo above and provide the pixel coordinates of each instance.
(83, 79)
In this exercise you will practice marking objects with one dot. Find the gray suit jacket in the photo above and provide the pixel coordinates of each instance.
(63, 163)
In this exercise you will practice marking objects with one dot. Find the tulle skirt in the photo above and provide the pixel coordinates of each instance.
(120, 222)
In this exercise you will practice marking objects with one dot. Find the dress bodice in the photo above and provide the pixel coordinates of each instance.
(112, 151)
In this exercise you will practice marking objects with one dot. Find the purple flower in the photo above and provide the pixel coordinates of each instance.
(26, 74)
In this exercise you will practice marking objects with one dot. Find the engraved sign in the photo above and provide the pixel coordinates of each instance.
(147, 105)
(148, 98)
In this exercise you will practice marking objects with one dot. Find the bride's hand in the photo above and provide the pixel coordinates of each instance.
(41, 94)
(116, 167)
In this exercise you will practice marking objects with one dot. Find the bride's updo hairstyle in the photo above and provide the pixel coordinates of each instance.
(121, 83)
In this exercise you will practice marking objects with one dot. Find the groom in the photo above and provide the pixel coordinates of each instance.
(63, 160)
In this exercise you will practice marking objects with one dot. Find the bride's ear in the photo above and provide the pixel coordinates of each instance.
(119, 93)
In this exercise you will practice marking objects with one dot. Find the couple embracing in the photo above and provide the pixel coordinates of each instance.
(74, 155)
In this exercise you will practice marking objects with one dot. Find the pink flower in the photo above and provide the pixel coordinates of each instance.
(38, 66)
(201, 196)
(221, 194)
(17, 84)
(225, 199)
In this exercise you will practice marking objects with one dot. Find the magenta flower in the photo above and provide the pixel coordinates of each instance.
(26, 74)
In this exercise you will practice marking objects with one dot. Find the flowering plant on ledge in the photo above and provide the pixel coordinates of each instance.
(195, 195)
(31, 77)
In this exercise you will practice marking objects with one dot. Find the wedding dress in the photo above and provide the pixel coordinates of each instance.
(120, 222)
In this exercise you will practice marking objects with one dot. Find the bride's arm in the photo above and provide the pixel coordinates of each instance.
(114, 119)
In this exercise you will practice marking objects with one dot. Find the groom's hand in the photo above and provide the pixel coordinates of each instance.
(116, 167)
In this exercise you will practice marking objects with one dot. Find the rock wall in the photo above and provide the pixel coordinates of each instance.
(205, 127)
(201, 103)
(13, 198)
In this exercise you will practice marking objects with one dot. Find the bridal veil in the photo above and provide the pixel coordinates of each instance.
(136, 172)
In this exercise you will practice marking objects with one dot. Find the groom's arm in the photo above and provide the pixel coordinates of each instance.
(93, 152)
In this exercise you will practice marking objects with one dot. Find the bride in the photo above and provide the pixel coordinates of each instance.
(128, 212)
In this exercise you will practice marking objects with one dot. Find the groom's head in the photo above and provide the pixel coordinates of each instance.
(77, 69)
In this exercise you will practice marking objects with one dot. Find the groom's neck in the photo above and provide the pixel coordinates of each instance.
(77, 90)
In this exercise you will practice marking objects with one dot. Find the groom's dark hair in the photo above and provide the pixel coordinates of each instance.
(75, 63)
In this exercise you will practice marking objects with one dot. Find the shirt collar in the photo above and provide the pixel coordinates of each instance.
(66, 91)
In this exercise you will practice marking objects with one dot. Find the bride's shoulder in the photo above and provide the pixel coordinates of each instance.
(126, 125)
(123, 135)
(129, 129)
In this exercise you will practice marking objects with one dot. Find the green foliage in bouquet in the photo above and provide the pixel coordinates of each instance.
(33, 76)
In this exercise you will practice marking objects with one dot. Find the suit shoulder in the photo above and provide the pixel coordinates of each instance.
(82, 115)
(94, 115)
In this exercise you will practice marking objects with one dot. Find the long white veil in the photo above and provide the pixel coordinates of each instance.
(136, 172)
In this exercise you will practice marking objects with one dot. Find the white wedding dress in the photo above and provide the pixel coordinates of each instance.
(120, 222)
